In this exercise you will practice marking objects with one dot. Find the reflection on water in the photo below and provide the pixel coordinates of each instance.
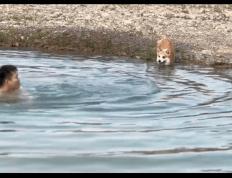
(13, 97)
(115, 115)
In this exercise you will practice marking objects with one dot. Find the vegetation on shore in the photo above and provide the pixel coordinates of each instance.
(79, 41)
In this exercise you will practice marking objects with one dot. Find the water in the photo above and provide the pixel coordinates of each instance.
(115, 115)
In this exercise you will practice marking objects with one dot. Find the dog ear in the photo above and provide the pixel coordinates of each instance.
(167, 51)
(158, 50)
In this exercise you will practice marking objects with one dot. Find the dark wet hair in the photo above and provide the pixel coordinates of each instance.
(6, 73)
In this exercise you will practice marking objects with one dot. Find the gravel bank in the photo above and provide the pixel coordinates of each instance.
(202, 33)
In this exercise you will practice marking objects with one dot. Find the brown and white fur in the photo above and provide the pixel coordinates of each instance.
(165, 51)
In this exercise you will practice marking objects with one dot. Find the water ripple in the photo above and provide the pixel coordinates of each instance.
(179, 150)
(108, 112)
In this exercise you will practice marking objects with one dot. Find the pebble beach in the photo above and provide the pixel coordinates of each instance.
(201, 33)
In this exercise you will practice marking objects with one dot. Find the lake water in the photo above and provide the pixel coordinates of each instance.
(106, 114)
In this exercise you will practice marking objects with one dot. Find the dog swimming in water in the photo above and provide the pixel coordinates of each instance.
(165, 51)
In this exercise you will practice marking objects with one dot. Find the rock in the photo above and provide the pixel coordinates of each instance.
(16, 44)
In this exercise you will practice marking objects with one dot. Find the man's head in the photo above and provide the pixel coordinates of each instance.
(9, 80)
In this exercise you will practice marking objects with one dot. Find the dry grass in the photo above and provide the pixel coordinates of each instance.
(80, 40)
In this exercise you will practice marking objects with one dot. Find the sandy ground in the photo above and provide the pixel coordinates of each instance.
(201, 33)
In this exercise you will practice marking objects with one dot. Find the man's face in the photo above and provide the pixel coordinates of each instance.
(13, 83)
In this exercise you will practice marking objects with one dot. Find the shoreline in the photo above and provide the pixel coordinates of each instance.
(202, 34)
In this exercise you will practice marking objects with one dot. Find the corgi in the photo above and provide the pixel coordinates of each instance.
(165, 51)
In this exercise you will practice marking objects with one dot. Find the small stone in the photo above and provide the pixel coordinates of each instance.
(207, 52)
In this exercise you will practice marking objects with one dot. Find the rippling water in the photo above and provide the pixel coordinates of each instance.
(115, 115)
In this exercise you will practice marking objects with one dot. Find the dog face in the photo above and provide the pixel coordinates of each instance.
(163, 57)
(165, 51)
